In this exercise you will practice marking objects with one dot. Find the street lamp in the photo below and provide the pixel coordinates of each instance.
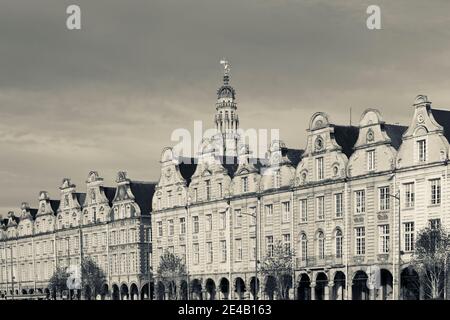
(397, 197)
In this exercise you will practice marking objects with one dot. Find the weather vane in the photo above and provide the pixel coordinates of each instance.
(226, 67)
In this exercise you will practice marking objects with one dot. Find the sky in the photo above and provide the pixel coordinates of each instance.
(107, 97)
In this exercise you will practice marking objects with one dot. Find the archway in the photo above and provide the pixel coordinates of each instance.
(321, 287)
(210, 287)
(160, 291)
(254, 287)
(124, 293)
(87, 293)
(224, 287)
(39, 290)
(134, 292)
(196, 289)
(24, 291)
(410, 285)
(115, 292)
(145, 294)
(104, 293)
(239, 288)
(31, 291)
(360, 291)
(270, 288)
(183, 290)
(304, 288)
(47, 293)
(339, 286)
(385, 291)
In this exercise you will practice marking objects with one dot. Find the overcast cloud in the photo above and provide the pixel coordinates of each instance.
(107, 97)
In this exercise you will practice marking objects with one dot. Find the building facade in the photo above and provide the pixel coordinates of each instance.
(109, 225)
(349, 205)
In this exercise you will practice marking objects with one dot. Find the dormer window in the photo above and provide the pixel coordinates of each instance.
(422, 150)
(371, 160)
(208, 189)
(319, 168)
(66, 200)
(244, 184)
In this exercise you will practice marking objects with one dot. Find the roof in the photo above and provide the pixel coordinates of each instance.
(294, 155)
(187, 168)
(443, 118)
(81, 197)
(55, 205)
(110, 192)
(346, 137)
(395, 133)
(33, 212)
(143, 194)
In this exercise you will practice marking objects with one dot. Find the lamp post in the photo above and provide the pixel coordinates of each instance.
(397, 197)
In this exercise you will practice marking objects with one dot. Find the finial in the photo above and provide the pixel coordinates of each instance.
(226, 70)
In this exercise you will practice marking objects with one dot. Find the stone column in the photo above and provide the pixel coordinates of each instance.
(371, 294)
(313, 290)
(329, 291)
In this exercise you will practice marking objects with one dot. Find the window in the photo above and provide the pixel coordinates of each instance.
(238, 215)
(160, 228)
(320, 203)
(409, 194)
(209, 252)
(252, 213)
(383, 245)
(435, 224)
(220, 189)
(338, 239)
(169, 198)
(277, 179)
(304, 247)
(208, 222)
(195, 249)
(195, 195)
(195, 224)
(360, 201)
(223, 250)
(244, 181)
(268, 209)
(435, 185)
(182, 225)
(223, 221)
(422, 150)
(238, 244)
(170, 223)
(321, 245)
(269, 244)
(253, 248)
(383, 194)
(303, 210)
(338, 205)
(183, 253)
(208, 189)
(287, 242)
(371, 160)
(409, 236)
(360, 235)
(319, 168)
(286, 211)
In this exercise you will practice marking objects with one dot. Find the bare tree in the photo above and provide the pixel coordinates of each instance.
(170, 270)
(430, 259)
(278, 264)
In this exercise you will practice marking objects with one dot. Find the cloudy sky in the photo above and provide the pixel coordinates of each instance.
(107, 97)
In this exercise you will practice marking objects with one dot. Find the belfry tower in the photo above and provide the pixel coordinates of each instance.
(226, 119)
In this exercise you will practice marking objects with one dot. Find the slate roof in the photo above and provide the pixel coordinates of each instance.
(187, 168)
(143, 194)
(395, 133)
(295, 156)
(81, 197)
(55, 205)
(33, 212)
(110, 192)
(443, 118)
(346, 137)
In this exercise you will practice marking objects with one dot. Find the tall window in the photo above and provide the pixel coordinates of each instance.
(320, 204)
(338, 239)
(304, 247)
(169, 198)
(286, 208)
(409, 236)
(195, 249)
(208, 222)
(383, 194)
(277, 179)
(238, 244)
(287, 242)
(303, 210)
(338, 205)
(422, 150)
(183, 253)
(220, 187)
(269, 244)
(223, 250)
(435, 224)
(223, 220)
(268, 209)
(182, 225)
(319, 168)
(170, 224)
(435, 185)
(360, 201)
(409, 194)
(320, 245)
(209, 252)
(208, 189)
(160, 229)
(195, 224)
(360, 236)
(384, 239)
(195, 195)
(244, 182)
(253, 248)
(371, 160)
(238, 216)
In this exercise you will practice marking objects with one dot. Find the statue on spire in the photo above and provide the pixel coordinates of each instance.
(226, 67)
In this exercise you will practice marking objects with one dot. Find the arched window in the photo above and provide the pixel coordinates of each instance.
(304, 247)
(338, 239)
(320, 245)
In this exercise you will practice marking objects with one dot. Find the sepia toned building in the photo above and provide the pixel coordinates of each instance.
(348, 204)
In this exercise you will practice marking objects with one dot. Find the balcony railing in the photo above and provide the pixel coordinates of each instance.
(316, 261)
